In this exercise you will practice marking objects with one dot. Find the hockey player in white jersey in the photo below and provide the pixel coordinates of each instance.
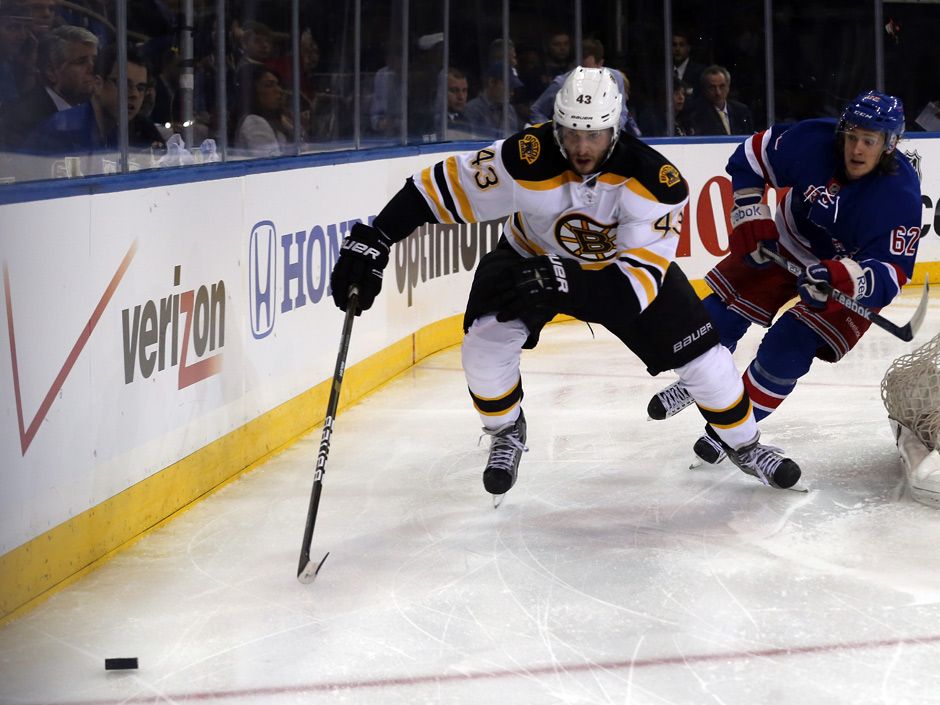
(592, 226)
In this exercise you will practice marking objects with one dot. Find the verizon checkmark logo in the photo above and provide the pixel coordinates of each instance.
(153, 329)
(27, 433)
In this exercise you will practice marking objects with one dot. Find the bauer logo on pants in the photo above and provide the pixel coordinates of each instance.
(689, 339)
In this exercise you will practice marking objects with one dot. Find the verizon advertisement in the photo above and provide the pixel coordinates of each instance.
(140, 326)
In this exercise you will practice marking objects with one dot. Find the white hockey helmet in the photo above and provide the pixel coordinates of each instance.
(589, 99)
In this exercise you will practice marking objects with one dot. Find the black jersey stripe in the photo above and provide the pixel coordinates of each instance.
(448, 197)
(499, 405)
(734, 415)
(654, 272)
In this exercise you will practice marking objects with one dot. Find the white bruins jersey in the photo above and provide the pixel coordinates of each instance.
(629, 214)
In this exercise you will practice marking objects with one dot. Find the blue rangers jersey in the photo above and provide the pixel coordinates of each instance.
(627, 215)
(875, 220)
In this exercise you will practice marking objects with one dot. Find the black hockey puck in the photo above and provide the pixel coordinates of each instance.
(120, 664)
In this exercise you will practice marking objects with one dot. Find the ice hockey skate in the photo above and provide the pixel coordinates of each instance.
(506, 451)
(669, 402)
(708, 450)
(766, 463)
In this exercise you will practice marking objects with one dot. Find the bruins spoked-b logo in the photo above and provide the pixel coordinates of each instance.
(585, 238)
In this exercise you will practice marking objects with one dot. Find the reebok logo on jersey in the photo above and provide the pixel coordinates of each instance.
(361, 248)
(559, 269)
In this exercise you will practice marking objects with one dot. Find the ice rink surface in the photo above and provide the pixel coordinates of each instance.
(612, 573)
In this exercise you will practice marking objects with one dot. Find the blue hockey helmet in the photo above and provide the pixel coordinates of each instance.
(875, 111)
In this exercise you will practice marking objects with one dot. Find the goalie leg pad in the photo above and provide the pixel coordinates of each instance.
(921, 465)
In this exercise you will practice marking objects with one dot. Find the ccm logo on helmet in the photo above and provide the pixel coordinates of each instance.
(360, 248)
(559, 270)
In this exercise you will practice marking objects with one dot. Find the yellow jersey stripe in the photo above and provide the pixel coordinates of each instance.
(646, 281)
(523, 242)
(727, 408)
(640, 190)
(565, 177)
(500, 396)
(612, 179)
(442, 215)
(463, 203)
(641, 253)
(736, 423)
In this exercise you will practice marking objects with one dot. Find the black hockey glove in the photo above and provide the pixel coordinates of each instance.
(362, 257)
(547, 283)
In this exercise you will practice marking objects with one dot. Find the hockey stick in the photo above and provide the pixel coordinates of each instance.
(905, 332)
(306, 572)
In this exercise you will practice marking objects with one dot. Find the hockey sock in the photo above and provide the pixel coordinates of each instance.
(731, 326)
(785, 354)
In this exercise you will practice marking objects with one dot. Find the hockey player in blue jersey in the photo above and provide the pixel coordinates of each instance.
(852, 219)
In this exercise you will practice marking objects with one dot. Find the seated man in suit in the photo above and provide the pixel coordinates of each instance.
(66, 63)
(90, 130)
(714, 113)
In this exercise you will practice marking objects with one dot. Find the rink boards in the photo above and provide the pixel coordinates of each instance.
(158, 341)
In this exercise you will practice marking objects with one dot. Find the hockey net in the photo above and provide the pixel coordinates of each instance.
(910, 391)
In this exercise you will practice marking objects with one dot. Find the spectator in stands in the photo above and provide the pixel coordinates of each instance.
(43, 16)
(17, 48)
(715, 113)
(283, 65)
(426, 84)
(264, 129)
(385, 107)
(66, 62)
(680, 99)
(496, 53)
(457, 93)
(683, 67)
(316, 95)
(166, 109)
(653, 122)
(258, 43)
(93, 126)
(593, 58)
(558, 52)
(484, 113)
(533, 75)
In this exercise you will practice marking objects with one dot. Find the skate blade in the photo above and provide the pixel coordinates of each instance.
(497, 500)
(697, 462)
(798, 487)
